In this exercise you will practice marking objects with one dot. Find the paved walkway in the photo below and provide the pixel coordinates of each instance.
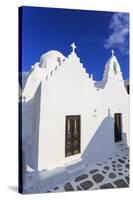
(112, 173)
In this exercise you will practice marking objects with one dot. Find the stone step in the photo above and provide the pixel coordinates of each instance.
(76, 167)
(51, 179)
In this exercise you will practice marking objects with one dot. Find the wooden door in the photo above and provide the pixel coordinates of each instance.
(118, 127)
(72, 139)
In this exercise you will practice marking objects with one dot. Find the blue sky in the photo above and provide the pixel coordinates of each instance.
(95, 33)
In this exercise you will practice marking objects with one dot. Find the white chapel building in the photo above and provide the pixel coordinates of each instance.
(68, 117)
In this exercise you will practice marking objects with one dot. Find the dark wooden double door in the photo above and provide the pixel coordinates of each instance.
(118, 127)
(72, 140)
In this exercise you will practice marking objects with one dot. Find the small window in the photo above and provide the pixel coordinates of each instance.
(59, 60)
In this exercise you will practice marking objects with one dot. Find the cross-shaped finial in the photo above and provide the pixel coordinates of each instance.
(113, 52)
(73, 46)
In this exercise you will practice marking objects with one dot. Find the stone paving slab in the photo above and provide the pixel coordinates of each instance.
(120, 183)
(81, 177)
(68, 187)
(86, 185)
(107, 186)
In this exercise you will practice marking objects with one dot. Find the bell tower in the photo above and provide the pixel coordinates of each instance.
(112, 70)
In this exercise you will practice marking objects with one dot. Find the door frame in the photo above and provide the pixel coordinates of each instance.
(79, 133)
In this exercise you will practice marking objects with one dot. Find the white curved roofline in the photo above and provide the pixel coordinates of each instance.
(52, 53)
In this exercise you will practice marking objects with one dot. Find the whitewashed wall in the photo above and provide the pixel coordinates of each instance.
(67, 89)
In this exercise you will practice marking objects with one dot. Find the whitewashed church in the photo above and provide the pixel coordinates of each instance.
(67, 116)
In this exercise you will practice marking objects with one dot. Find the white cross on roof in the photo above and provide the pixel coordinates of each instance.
(73, 46)
(113, 52)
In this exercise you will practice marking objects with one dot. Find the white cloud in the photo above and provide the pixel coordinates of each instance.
(119, 27)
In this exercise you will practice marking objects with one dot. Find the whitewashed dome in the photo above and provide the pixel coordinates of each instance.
(51, 59)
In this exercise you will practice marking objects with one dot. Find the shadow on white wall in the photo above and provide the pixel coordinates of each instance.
(102, 144)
